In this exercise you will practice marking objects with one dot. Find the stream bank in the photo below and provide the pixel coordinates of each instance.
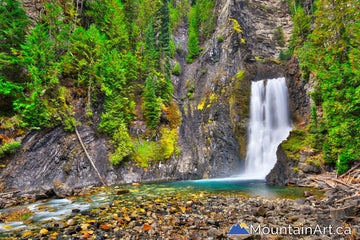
(145, 213)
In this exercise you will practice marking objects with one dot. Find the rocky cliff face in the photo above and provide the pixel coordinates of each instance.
(299, 90)
(212, 135)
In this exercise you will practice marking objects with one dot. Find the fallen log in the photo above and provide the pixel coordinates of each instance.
(88, 156)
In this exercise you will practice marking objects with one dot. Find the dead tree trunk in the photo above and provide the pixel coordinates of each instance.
(88, 156)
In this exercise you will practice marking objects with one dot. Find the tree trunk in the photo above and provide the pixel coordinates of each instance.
(88, 156)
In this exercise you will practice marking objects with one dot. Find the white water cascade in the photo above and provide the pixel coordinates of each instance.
(269, 125)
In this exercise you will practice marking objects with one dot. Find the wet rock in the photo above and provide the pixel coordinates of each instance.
(75, 210)
(71, 222)
(122, 191)
(44, 231)
(308, 194)
(85, 213)
(62, 190)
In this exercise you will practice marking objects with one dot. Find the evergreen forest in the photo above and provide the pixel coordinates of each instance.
(118, 57)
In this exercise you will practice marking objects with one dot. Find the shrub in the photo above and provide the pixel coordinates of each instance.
(344, 162)
(279, 36)
(122, 142)
(9, 147)
(285, 55)
(176, 69)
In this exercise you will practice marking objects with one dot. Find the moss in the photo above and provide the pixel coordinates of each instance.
(190, 95)
(220, 39)
(188, 83)
(314, 161)
(236, 26)
(239, 101)
(201, 104)
(186, 109)
(294, 143)
(240, 75)
(264, 60)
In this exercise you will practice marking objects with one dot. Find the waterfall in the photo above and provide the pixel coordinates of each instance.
(269, 125)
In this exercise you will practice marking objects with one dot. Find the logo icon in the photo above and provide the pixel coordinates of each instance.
(238, 230)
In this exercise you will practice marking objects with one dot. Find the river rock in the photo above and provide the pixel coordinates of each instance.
(344, 213)
(70, 222)
(261, 211)
(121, 191)
(44, 231)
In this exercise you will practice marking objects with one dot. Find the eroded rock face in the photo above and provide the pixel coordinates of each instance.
(291, 170)
(300, 101)
(283, 172)
(259, 19)
(33, 8)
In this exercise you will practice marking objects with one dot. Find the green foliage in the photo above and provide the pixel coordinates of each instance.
(344, 163)
(285, 55)
(332, 55)
(151, 51)
(220, 39)
(294, 143)
(201, 24)
(167, 144)
(152, 105)
(178, 11)
(13, 24)
(279, 36)
(176, 69)
(172, 48)
(9, 147)
(109, 17)
(302, 27)
(149, 151)
(144, 153)
(193, 42)
(164, 37)
(111, 53)
(123, 145)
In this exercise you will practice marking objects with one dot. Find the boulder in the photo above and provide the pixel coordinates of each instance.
(62, 190)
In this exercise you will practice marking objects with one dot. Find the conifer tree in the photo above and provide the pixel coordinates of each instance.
(13, 23)
(151, 53)
(193, 45)
(193, 42)
(164, 38)
(151, 103)
(332, 55)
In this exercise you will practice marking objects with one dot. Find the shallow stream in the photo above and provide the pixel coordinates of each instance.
(57, 209)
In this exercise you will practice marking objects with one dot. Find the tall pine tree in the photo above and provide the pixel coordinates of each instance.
(164, 38)
(151, 103)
